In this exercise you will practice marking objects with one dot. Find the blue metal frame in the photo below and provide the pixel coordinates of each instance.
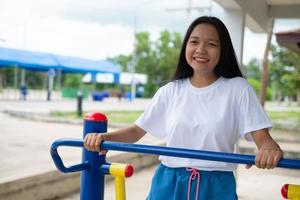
(92, 179)
(94, 166)
(176, 152)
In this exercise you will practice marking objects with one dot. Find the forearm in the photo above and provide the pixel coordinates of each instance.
(263, 139)
(130, 134)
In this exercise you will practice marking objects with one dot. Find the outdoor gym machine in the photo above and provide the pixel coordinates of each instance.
(94, 166)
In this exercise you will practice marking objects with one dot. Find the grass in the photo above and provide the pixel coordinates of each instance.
(127, 117)
(280, 119)
(285, 119)
(123, 117)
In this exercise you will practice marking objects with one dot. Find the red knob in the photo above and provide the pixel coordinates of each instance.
(128, 170)
(95, 116)
(284, 190)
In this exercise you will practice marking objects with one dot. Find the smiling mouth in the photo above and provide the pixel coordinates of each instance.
(201, 60)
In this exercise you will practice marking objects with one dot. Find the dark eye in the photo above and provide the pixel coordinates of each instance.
(193, 41)
(212, 44)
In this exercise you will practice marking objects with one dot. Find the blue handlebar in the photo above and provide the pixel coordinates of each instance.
(195, 154)
(158, 150)
(57, 160)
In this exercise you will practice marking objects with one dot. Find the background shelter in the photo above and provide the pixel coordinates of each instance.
(125, 78)
(54, 64)
(289, 39)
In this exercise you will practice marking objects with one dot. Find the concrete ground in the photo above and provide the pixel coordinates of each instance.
(24, 149)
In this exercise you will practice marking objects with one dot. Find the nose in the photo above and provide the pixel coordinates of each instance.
(201, 49)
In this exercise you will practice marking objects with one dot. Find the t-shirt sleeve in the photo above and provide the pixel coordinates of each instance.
(153, 120)
(252, 115)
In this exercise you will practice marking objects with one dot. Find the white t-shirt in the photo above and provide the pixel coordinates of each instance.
(211, 118)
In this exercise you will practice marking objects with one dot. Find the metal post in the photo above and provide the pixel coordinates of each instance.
(16, 85)
(79, 103)
(51, 74)
(134, 60)
(92, 180)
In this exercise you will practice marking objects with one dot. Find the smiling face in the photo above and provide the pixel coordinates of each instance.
(203, 50)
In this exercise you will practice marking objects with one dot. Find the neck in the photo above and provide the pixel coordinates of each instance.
(202, 81)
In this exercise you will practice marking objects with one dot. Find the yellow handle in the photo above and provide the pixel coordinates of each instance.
(294, 192)
(120, 188)
(290, 191)
(120, 171)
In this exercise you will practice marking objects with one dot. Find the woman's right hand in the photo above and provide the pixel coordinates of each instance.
(92, 142)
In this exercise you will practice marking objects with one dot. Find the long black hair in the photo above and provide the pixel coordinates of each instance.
(227, 66)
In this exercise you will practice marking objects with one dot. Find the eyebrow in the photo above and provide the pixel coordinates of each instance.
(210, 39)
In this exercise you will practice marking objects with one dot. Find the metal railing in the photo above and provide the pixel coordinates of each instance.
(94, 166)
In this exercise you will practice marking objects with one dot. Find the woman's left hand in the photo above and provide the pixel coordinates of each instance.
(268, 155)
(269, 152)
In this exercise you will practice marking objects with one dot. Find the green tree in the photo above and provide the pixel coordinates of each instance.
(72, 80)
(256, 86)
(285, 73)
(146, 62)
(252, 69)
(123, 60)
(33, 79)
(167, 52)
(7, 76)
(157, 59)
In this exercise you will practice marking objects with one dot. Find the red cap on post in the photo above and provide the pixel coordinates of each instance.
(284, 190)
(128, 170)
(95, 116)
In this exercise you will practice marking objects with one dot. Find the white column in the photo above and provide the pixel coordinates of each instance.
(23, 77)
(235, 23)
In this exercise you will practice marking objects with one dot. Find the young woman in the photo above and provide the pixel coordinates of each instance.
(208, 105)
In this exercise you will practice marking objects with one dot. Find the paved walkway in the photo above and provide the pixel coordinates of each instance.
(25, 144)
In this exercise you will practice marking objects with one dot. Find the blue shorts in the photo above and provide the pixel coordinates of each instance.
(173, 184)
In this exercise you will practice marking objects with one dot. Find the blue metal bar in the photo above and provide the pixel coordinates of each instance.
(186, 153)
(57, 159)
(195, 154)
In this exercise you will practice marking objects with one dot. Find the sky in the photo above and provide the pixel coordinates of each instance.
(97, 29)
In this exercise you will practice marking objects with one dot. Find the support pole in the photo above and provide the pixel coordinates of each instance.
(92, 180)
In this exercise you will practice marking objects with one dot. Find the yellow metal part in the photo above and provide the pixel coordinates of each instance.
(117, 169)
(294, 192)
(120, 188)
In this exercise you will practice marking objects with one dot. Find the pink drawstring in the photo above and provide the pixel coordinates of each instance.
(194, 174)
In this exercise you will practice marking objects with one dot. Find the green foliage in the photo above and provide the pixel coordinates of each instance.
(256, 86)
(157, 59)
(72, 80)
(34, 79)
(252, 69)
(123, 60)
(167, 52)
(8, 77)
(284, 72)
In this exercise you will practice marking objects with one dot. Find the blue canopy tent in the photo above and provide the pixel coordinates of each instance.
(25, 59)
(39, 61)
(79, 65)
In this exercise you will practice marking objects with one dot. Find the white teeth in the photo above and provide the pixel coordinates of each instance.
(201, 59)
